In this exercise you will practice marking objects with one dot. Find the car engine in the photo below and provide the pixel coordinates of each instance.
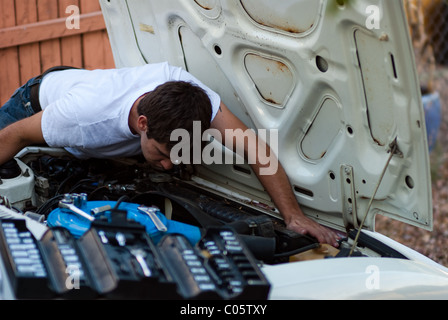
(128, 226)
(138, 224)
(52, 175)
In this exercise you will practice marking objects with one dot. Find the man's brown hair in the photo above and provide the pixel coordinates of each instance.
(175, 105)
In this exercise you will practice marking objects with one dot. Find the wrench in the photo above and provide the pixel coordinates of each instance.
(70, 206)
(151, 212)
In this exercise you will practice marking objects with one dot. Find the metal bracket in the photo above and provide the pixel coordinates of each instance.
(394, 149)
(349, 213)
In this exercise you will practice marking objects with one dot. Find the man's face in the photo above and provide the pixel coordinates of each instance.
(156, 154)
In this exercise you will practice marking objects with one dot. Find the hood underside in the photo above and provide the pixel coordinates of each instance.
(336, 78)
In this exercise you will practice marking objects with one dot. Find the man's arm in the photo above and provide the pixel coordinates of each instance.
(276, 183)
(19, 135)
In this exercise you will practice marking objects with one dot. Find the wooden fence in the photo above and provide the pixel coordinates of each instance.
(38, 34)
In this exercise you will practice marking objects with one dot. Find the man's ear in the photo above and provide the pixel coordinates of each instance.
(142, 123)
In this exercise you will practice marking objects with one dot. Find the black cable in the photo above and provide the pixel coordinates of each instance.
(62, 184)
(96, 190)
(296, 251)
(119, 201)
(80, 183)
(49, 205)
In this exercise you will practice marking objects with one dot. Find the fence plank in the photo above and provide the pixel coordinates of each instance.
(96, 48)
(50, 50)
(70, 46)
(29, 55)
(9, 58)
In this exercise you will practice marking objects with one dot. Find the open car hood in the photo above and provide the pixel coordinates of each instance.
(336, 78)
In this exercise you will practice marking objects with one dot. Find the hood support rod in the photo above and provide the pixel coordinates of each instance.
(393, 150)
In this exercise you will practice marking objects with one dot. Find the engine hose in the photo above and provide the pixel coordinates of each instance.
(262, 248)
(221, 211)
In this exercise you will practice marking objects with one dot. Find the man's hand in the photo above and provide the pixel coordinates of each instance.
(304, 225)
(20, 135)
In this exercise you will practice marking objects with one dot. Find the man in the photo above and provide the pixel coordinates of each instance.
(130, 111)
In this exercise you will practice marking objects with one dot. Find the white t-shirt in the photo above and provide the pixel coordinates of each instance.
(87, 112)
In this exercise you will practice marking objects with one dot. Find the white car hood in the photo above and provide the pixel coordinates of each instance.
(336, 78)
(357, 279)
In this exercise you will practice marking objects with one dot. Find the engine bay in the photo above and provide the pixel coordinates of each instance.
(132, 181)
(137, 218)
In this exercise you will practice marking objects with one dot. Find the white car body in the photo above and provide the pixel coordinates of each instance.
(337, 80)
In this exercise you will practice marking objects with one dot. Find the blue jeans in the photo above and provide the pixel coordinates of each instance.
(18, 107)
